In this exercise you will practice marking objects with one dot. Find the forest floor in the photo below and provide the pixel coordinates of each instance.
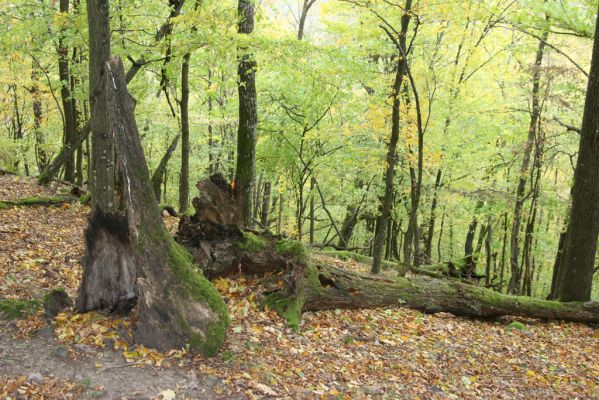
(340, 354)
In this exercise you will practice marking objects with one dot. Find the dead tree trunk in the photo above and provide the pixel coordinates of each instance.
(133, 257)
(221, 248)
(160, 172)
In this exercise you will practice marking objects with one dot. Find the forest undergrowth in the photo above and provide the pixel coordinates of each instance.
(339, 354)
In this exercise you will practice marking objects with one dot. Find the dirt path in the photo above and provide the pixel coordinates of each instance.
(95, 373)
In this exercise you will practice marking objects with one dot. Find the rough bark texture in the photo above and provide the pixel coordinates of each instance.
(575, 274)
(67, 150)
(215, 241)
(184, 105)
(535, 114)
(321, 287)
(176, 305)
(102, 178)
(68, 103)
(248, 114)
(157, 177)
(221, 249)
(387, 200)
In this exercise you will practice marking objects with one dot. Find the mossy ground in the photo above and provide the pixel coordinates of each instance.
(13, 309)
(291, 248)
(251, 243)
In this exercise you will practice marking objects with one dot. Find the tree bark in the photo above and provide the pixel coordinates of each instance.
(428, 244)
(184, 105)
(265, 205)
(321, 287)
(159, 174)
(68, 102)
(220, 248)
(575, 274)
(133, 258)
(102, 179)
(387, 200)
(535, 114)
(248, 114)
(67, 151)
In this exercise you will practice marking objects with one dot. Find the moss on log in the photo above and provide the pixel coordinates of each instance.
(39, 201)
(337, 288)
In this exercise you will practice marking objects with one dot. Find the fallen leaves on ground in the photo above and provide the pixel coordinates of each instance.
(339, 354)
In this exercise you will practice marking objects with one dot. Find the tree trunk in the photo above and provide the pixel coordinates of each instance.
(68, 102)
(387, 200)
(428, 244)
(265, 205)
(160, 173)
(575, 274)
(535, 114)
(134, 258)
(248, 114)
(311, 210)
(67, 151)
(184, 105)
(321, 287)
(40, 152)
(102, 179)
(220, 248)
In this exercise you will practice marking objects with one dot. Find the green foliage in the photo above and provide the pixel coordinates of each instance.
(12, 309)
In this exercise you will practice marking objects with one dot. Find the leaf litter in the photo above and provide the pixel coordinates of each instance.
(339, 354)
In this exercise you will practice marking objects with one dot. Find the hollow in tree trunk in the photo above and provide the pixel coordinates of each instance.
(132, 258)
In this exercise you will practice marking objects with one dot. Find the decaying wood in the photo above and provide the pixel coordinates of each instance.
(220, 248)
(322, 287)
(217, 244)
(176, 305)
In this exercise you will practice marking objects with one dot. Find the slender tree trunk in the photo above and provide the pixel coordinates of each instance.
(311, 210)
(514, 284)
(265, 205)
(440, 237)
(159, 175)
(575, 274)
(38, 116)
(302, 21)
(428, 244)
(488, 253)
(248, 114)
(560, 248)
(102, 178)
(184, 107)
(68, 102)
(387, 201)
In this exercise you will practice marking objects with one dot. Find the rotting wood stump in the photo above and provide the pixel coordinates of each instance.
(220, 248)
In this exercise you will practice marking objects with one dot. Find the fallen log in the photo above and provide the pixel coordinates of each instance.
(132, 259)
(40, 201)
(320, 287)
(220, 248)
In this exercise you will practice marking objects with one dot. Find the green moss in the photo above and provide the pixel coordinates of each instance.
(251, 243)
(516, 325)
(3, 205)
(288, 308)
(291, 248)
(202, 291)
(12, 309)
(48, 294)
(350, 255)
(85, 199)
(311, 275)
